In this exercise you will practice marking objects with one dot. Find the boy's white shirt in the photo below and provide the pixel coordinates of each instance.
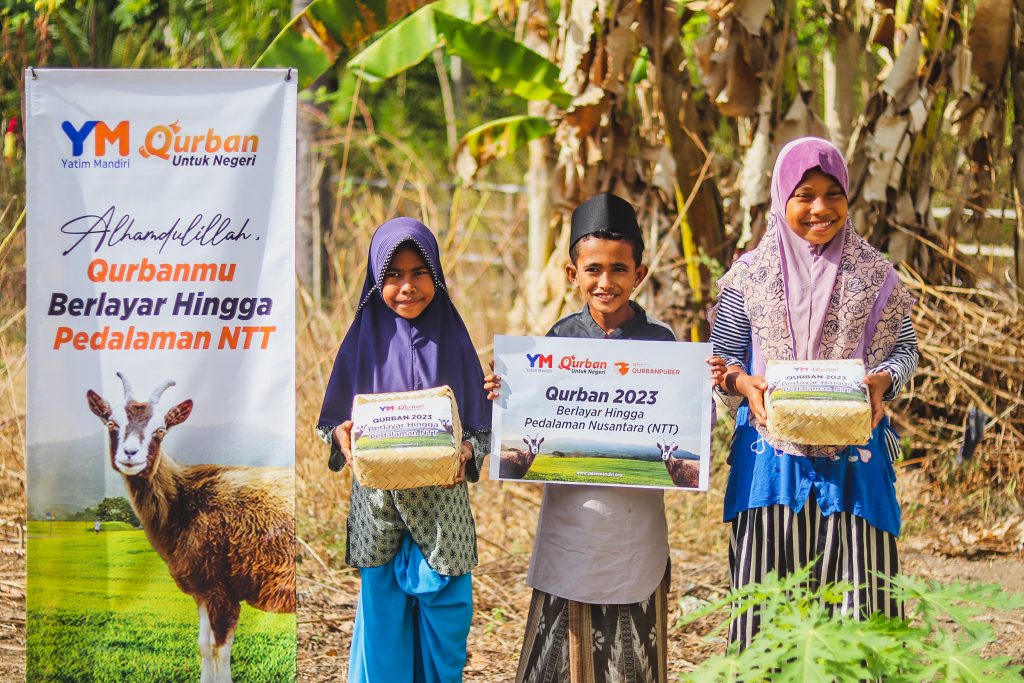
(599, 544)
(604, 545)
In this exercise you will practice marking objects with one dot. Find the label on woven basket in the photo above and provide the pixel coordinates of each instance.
(822, 403)
(403, 423)
(822, 380)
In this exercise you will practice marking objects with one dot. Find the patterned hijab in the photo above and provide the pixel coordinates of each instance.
(383, 352)
(838, 300)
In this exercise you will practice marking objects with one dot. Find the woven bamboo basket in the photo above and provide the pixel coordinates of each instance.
(411, 465)
(800, 414)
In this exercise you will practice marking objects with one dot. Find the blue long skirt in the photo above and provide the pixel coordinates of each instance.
(411, 622)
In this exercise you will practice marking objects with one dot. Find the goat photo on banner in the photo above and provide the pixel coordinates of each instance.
(161, 380)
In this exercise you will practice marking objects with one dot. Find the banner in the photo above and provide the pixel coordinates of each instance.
(610, 412)
(161, 375)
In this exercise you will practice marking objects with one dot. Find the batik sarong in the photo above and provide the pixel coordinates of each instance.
(575, 642)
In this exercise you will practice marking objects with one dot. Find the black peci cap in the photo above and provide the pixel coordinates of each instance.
(605, 211)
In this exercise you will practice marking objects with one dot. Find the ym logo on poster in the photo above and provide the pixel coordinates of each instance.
(103, 135)
(538, 361)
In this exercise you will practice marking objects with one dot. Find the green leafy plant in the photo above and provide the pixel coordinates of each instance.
(805, 638)
(497, 617)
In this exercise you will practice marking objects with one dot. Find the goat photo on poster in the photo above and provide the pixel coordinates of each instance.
(220, 534)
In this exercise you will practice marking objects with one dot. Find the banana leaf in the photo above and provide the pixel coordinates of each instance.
(497, 139)
(411, 40)
(329, 30)
(499, 58)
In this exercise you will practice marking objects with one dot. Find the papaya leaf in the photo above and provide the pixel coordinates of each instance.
(411, 40)
(932, 600)
(497, 139)
(814, 647)
(951, 660)
(804, 636)
(722, 668)
(882, 641)
(496, 56)
(329, 30)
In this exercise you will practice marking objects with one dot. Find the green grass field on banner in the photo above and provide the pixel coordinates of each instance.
(819, 396)
(367, 444)
(633, 472)
(103, 607)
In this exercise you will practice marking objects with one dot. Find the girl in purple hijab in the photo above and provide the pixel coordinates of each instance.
(812, 289)
(415, 547)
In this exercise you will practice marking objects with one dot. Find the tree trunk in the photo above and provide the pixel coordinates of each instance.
(840, 71)
(702, 225)
(1017, 86)
(539, 242)
(528, 315)
(307, 191)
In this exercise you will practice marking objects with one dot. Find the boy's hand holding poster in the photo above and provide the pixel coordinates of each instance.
(620, 413)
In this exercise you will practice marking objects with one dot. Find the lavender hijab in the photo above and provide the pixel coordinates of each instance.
(808, 271)
(383, 352)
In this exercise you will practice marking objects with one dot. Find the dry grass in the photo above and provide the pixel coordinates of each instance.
(970, 352)
(972, 356)
(12, 437)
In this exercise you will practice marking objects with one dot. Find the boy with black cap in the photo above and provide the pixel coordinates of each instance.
(599, 568)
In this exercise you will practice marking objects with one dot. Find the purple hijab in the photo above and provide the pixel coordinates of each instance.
(809, 271)
(383, 352)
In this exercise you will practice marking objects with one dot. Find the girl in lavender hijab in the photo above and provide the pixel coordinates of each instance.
(414, 547)
(812, 289)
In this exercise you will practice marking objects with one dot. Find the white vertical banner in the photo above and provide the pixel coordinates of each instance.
(161, 399)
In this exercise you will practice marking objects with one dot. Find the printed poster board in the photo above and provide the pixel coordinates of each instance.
(160, 364)
(599, 411)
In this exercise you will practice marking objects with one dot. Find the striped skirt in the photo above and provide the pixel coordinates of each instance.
(576, 642)
(847, 548)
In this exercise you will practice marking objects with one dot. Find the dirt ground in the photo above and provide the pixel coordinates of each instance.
(699, 570)
(506, 515)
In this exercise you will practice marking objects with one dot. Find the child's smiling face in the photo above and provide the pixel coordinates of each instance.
(606, 273)
(407, 286)
(818, 208)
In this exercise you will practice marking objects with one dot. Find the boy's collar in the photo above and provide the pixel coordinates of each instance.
(639, 317)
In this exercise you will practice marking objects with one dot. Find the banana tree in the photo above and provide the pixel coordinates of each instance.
(324, 33)
(936, 78)
(749, 63)
(894, 143)
(841, 67)
(634, 128)
(980, 115)
(601, 98)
